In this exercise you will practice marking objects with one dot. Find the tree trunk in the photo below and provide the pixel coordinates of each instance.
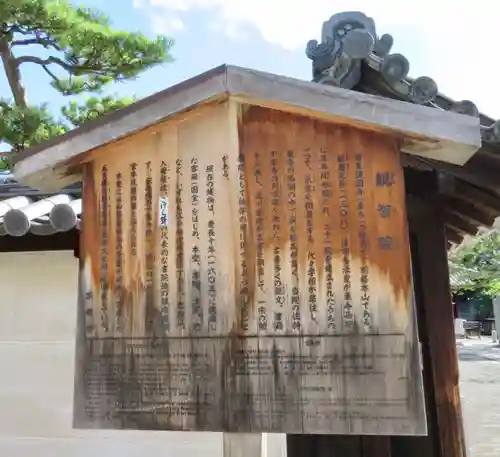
(13, 73)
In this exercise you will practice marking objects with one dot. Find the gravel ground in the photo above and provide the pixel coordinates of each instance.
(480, 392)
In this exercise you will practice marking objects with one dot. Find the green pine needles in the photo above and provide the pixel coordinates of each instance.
(81, 52)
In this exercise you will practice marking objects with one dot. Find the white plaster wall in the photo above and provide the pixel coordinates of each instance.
(37, 322)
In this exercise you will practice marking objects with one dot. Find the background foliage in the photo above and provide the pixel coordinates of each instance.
(475, 265)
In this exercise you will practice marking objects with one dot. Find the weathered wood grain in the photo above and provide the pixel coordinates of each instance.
(423, 131)
(242, 445)
(432, 286)
(271, 292)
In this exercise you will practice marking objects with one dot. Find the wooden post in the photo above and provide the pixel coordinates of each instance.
(437, 329)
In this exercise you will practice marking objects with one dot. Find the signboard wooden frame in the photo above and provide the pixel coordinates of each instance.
(247, 270)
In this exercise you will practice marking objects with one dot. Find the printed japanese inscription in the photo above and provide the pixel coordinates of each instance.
(259, 285)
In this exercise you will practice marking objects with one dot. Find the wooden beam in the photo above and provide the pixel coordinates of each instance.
(459, 224)
(468, 211)
(456, 137)
(420, 182)
(376, 446)
(477, 196)
(487, 177)
(432, 291)
(423, 131)
(428, 182)
(446, 183)
(453, 236)
(341, 445)
(492, 151)
(484, 166)
(63, 241)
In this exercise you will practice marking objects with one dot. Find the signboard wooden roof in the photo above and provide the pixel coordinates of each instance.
(244, 259)
(431, 133)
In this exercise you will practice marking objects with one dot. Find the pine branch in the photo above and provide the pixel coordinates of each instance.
(40, 61)
(69, 67)
(45, 42)
(52, 75)
(86, 53)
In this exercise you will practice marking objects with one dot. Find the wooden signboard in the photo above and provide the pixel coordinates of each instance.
(247, 270)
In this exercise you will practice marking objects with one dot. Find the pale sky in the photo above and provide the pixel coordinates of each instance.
(451, 41)
(455, 42)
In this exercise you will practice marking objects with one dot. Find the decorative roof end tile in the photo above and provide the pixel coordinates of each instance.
(349, 42)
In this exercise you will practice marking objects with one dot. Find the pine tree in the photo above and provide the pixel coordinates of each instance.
(81, 52)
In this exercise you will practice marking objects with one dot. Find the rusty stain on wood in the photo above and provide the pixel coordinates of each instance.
(248, 271)
(268, 130)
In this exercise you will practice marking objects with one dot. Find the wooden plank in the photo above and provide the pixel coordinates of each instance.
(423, 131)
(296, 135)
(460, 224)
(466, 210)
(437, 331)
(263, 292)
(477, 196)
(242, 445)
(453, 236)
(46, 168)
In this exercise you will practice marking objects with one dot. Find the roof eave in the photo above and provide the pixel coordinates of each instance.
(426, 132)
(53, 165)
